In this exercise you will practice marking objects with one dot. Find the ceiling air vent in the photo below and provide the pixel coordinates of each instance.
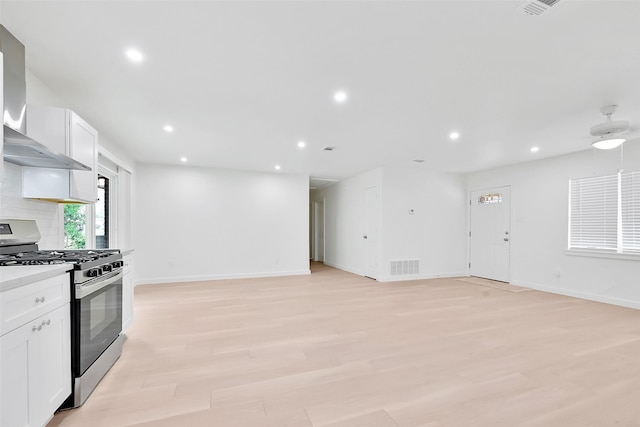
(537, 7)
(328, 148)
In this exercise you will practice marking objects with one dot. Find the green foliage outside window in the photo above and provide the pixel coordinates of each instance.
(74, 226)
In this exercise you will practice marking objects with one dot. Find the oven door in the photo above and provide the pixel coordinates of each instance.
(98, 321)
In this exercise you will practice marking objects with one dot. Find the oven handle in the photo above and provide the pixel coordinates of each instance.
(83, 291)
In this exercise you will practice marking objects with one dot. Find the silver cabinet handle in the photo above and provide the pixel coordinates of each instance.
(506, 239)
(38, 300)
(364, 237)
(46, 322)
(36, 328)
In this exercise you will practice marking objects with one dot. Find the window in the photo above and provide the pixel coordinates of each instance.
(94, 225)
(631, 212)
(106, 207)
(102, 213)
(489, 199)
(75, 219)
(604, 213)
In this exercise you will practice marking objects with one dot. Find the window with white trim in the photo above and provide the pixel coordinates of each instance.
(604, 213)
(631, 212)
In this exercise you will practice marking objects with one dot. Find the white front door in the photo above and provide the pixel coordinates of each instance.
(371, 232)
(490, 233)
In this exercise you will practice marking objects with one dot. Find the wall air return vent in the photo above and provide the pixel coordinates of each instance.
(537, 7)
(405, 267)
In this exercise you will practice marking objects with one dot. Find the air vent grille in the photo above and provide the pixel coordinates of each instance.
(405, 267)
(329, 148)
(537, 7)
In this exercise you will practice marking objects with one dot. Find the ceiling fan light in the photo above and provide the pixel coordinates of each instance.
(608, 143)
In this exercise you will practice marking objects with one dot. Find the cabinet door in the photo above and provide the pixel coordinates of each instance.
(15, 348)
(83, 147)
(36, 369)
(53, 360)
(127, 293)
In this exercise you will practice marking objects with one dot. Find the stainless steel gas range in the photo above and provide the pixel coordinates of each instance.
(96, 301)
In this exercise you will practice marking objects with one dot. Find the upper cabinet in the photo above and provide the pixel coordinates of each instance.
(62, 131)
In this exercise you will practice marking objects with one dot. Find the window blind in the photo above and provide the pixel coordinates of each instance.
(630, 207)
(594, 213)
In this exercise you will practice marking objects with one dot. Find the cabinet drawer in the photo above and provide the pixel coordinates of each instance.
(21, 305)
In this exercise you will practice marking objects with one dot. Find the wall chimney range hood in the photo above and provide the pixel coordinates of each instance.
(19, 148)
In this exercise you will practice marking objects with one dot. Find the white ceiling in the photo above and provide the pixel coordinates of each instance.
(243, 81)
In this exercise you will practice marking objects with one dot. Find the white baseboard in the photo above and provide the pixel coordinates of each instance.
(582, 295)
(343, 268)
(179, 279)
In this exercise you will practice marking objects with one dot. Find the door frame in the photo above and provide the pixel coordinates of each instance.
(469, 219)
(318, 225)
(372, 246)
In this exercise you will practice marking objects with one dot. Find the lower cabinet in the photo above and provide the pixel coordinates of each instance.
(35, 369)
(127, 293)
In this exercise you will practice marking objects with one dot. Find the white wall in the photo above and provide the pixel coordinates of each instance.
(13, 206)
(434, 234)
(344, 204)
(539, 227)
(201, 224)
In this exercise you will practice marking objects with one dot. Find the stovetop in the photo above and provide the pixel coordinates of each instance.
(44, 257)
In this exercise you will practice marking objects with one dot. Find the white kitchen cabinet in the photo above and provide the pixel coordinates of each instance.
(127, 292)
(1, 109)
(35, 361)
(62, 131)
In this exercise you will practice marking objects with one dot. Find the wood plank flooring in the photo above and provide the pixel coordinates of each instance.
(338, 350)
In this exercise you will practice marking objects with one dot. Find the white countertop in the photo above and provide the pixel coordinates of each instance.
(20, 275)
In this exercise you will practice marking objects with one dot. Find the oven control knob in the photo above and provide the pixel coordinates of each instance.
(117, 264)
(107, 267)
(94, 272)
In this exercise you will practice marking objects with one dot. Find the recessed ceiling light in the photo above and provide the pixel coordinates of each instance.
(183, 159)
(168, 128)
(340, 97)
(301, 144)
(535, 149)
(277, 167)
(134, 55)
(454, 135)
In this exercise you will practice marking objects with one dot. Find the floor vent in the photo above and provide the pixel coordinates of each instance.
(537, 7)
(404, 267)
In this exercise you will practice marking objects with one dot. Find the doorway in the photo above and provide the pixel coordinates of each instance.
(371, 232)
(490, 238)
(318, 231)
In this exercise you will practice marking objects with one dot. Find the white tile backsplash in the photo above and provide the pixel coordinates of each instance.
(48, 215)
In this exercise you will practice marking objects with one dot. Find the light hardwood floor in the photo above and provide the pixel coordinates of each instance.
(338, 350)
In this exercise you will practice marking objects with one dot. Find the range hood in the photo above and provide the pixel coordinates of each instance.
(18, 147)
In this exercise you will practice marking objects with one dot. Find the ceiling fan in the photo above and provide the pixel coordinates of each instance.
(608, 131)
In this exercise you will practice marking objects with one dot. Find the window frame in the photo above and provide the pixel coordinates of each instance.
(112, 216)
(622, 196)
